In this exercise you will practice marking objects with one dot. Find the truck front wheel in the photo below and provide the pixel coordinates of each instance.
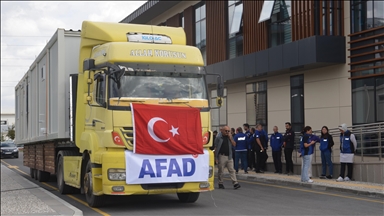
(63, 188)
(92, 199)
(188, 197)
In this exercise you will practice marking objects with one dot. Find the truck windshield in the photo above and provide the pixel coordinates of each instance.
(169, 85)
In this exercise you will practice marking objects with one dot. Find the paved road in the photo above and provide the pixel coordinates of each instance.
(252, 199)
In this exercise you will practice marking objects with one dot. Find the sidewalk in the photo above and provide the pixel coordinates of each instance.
(355, 187)
(22, 197)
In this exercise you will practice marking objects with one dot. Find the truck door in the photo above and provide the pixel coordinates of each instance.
(99, 116)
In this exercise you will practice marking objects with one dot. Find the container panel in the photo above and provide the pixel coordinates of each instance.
(53, 91)
(47, 115)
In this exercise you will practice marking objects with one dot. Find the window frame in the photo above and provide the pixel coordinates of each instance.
(237, 36)
(198, 20)
(213, 97)
(100, 86)
(254, 122)
(295, 123)
(374, 103)
(279, 24)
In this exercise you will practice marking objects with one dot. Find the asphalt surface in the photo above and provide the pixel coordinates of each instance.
(252, 198)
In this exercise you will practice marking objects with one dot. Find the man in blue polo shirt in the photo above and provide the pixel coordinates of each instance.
(241, 150)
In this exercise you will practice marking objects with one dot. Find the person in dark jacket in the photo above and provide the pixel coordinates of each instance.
(289, 145)
(326, 143)
(247, 132)
(276, 142)
(214, 137)
(241, 148)
(223, 156)
(251, 146)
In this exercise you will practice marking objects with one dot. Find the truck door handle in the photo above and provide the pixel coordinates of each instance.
(94, 122)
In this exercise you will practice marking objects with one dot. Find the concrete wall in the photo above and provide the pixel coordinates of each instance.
(365, 172)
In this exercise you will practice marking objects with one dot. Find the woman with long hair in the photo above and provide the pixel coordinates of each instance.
(326, 143)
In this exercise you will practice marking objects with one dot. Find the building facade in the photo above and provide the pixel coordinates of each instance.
(306, 62)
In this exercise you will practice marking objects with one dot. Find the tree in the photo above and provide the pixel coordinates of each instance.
(11, 132)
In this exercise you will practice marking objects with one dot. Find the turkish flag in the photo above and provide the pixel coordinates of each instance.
(166, 130)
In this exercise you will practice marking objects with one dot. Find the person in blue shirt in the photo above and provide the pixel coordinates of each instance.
(260, 148)
(250, 153)
(276, 142)
(326, 143)
(306, 147)
(241, 149)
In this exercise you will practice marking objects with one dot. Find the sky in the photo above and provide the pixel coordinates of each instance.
(26, 26)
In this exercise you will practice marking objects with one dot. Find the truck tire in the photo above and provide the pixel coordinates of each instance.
(188, 197)
(92, 200)
(32, 173)
(63, 188)
(35, 174)
(43, 176)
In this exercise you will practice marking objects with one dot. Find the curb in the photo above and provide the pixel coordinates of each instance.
(77, 212)
(307, 185)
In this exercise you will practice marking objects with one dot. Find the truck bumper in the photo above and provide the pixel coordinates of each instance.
(115, 159)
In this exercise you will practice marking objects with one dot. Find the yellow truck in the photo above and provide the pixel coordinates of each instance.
(75, 115)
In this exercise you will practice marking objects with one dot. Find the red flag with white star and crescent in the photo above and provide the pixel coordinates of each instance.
(166, 130)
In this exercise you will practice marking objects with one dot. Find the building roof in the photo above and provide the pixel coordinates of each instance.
(148, 11)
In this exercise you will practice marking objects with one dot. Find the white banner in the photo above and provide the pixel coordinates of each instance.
(147, 169)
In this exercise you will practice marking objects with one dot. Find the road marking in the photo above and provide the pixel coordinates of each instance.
(13, 167)
(309, 191)
(56, 189)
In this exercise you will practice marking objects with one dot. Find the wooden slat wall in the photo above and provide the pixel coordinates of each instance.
(255, 35)
(189, 25)
(49, 158)
(303, 19)
(174, 21)
(216, 16)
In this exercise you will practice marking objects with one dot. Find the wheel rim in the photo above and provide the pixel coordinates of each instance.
(88, 183)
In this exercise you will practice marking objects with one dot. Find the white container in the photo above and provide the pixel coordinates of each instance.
(42, 97)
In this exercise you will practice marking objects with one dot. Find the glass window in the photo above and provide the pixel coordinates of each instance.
(380, 99)
(218, 116)
(378, 13)
(200, 28)
(368, 100)
(235, 29)
(297, 103)
(182, 20)
(237, 18)
(256, 111)
(364, 15)
(280, 24)
(266, 11)
(363, 109)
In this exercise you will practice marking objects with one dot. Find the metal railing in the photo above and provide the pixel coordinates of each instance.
(370, 144)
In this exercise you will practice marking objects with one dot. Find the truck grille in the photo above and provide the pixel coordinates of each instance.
(162, 186)
(128, 135)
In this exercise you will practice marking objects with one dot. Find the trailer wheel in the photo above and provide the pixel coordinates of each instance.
(63, 188)
(32, 173)
(43, 176)
(35, 174)
(92, 200)
(188, 197)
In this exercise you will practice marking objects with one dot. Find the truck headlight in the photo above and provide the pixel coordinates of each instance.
(116, 174)
(210, 171)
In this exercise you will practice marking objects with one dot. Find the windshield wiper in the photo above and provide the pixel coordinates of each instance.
(173, 101)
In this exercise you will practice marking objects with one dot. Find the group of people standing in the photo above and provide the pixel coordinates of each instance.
(249, 145)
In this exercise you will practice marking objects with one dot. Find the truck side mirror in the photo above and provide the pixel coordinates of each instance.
(220, 87)
(219, 101)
